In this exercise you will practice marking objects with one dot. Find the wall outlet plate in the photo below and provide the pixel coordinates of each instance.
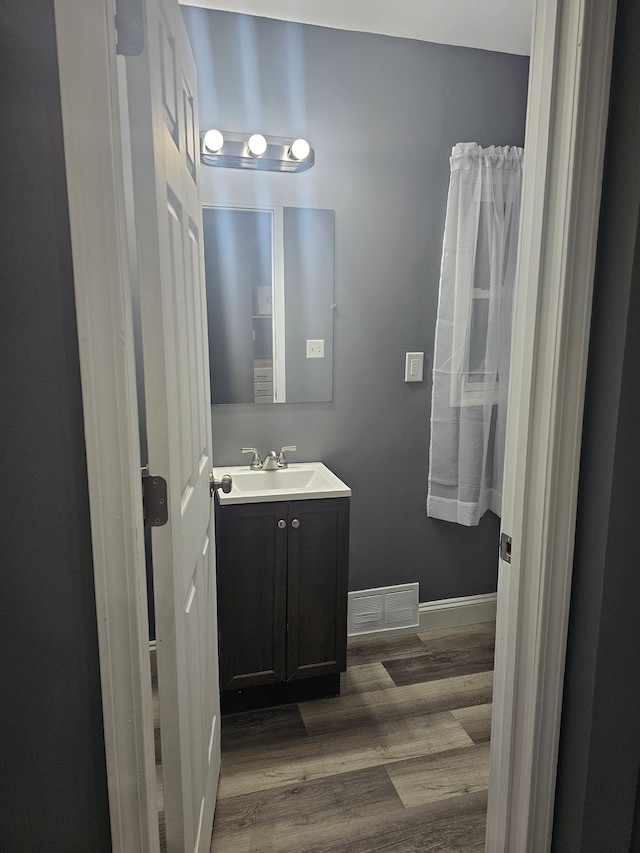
(413, 367)
(315, 349)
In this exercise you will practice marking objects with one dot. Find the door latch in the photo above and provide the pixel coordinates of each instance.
(505, 548)
(154, 499)
(225, 483)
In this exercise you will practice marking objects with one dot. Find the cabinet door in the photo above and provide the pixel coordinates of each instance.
(252, 594)
(318, 549)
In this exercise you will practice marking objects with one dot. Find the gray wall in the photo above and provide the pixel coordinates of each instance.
(597, 790)
(382, 115)
(53, 787)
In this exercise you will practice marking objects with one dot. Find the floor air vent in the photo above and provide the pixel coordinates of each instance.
(383, 609)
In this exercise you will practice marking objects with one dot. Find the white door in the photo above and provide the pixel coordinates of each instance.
(161, 85)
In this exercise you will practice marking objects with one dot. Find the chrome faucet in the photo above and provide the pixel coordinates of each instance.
(272, 461)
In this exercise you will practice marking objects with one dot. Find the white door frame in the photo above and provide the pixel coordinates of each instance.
(565, 141)
(564, 152)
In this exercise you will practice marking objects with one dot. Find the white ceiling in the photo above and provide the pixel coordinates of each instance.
(503, 25)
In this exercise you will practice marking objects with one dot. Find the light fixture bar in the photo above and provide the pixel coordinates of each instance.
(277, 156)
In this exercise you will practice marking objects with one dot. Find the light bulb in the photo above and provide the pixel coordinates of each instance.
(213, 141)
(257, 144)
(300, 149)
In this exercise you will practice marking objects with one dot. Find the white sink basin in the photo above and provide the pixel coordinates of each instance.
(300, 481)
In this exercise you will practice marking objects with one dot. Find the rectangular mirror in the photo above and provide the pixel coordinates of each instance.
(270, 303)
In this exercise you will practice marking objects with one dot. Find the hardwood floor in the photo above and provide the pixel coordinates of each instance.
(397, 763)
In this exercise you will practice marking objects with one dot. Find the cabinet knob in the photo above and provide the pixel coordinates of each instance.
(282, 524)
(295, 522)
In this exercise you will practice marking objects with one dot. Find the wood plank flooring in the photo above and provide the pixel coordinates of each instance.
(397, 763)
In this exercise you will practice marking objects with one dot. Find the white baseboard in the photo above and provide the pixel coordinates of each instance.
(451, 613)
(455, 612)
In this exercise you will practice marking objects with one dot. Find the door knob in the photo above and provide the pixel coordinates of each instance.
(295, 523)
(282, 524)
(225, 483)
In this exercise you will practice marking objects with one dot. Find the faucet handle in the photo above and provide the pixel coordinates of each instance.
(282, 462)
(256, 462)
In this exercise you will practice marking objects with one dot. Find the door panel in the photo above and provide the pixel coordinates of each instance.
(161, 86)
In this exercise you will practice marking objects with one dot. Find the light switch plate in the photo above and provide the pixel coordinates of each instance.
(315, 349)
(413, 366)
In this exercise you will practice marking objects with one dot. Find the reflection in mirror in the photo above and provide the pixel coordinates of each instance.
(269, 276)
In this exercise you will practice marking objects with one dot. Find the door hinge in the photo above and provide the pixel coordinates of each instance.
(129, 27)
(505, 548)
(154, 500)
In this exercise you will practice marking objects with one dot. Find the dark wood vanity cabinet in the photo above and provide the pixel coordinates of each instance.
(282, 591)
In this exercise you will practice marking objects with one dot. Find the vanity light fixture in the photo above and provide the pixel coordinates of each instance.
(255, 151)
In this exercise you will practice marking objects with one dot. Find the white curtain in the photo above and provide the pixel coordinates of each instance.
(473, 333)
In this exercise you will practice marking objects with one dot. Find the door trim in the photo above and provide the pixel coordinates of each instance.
(95, 186)
(565, 139)
(571, 53)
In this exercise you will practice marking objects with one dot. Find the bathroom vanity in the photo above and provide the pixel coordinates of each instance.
(282, 544)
